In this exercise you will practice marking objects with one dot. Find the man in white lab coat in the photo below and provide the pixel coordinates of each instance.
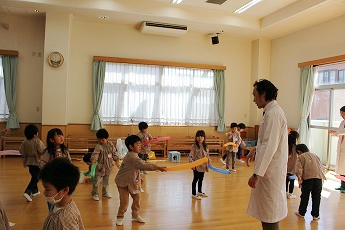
(268, 196)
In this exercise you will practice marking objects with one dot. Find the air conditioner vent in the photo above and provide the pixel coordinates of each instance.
(159, 28)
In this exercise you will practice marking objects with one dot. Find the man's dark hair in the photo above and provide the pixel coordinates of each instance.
(61, 173)
(265, 86)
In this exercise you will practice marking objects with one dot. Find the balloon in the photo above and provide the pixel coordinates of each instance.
(229, 143)
(156, 140)
(224, 171)
(93, 170)
(188, 165)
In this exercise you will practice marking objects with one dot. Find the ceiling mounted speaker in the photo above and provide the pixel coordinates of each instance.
(215, 40)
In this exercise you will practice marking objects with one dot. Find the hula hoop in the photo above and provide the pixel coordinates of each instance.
(229, 143)
(188, 165)
(223, 171)
(156, 140)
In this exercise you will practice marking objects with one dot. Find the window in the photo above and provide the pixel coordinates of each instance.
(159, 95)
(328, 98)
(4, 113)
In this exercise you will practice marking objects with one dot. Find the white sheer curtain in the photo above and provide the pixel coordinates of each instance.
(158, 95)
(3, 104)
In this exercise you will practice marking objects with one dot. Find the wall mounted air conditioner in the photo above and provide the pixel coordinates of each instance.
(164, 29)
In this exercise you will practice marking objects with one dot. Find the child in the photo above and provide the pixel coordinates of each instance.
(55, 147)
(104, 154)
(128, 179)
(295, 134)
(144, 136)
(310, 173)
(241, 127)
(199, 150)
(31, 150)
(232, 136)
(292, 159)
(85, 177)
(59, 179)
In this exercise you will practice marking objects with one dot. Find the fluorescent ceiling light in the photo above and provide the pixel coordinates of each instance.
(246, 6)
(176, 1)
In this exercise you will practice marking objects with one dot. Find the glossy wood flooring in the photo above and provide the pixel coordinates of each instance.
(166, 202)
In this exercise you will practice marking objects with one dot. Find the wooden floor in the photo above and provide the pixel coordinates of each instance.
(166, 202)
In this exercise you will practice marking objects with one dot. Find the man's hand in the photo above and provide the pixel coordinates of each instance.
(253, 181)
(250, 156)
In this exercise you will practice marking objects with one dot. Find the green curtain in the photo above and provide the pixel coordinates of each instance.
(219, 87)
(9, 64)
(307, 89)
(98, 76)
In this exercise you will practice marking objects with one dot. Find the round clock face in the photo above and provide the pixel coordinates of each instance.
(55, 59)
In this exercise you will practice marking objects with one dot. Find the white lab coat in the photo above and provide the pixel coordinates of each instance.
(340, 163)
(268, 200)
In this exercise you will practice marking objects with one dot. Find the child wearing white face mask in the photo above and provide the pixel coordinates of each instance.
(59, 179)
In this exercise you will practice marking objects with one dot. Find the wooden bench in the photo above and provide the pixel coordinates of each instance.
(159, 146)
(77, 145)
(180, 144)
(185, 144)
(11, 145)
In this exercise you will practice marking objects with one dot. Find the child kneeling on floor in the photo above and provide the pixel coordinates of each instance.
(59, 179)
(128, 179)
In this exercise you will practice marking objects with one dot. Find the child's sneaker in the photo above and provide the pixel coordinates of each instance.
(27, 197)
(36, 194)
(119, 222)
(107, 195)
(316, 217)
(95, 197)
(234, 170)
(138, 219)
(299, 215)
(196, 197)
(202, 194)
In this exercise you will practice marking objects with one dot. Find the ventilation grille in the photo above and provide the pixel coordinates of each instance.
(219, 2)
(164, 29)
(164, 25)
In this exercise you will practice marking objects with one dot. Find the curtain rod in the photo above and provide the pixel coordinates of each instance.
(322, 61)
(9, 52)
(155, 62)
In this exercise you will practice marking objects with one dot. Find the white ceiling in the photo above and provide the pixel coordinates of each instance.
(267, 19)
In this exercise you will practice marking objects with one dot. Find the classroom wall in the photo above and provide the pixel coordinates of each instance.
(94, 39)
(88, 39)
(26, 35)
(320, 41)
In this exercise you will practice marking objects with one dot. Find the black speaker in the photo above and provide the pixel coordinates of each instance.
(215, 40)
